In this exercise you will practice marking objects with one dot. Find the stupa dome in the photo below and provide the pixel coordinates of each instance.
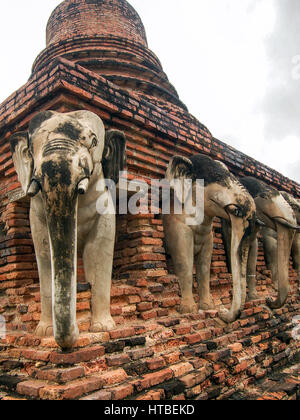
(95, 18)
(108, 38)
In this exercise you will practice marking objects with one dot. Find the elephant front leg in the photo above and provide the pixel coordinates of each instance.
(42, 250)
(203, 264)
(251, 271)
(98, 260)
(296, 257)
(180, 243)
(270, 251)
(45, 326)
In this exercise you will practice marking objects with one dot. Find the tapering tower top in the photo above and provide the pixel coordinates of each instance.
(95, 18)
(108, 38)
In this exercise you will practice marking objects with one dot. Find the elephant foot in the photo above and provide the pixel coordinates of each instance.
(188, 308)
(206, 305)
(44, 329)
(227, 316)
(252, 296)
(103, 325)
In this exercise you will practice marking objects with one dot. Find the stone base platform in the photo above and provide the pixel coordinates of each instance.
(283, 384)
(175, 358)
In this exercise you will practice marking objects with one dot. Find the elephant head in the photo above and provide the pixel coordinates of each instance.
(59, 158)
(226, 198)
(294, 203)
(277, 215)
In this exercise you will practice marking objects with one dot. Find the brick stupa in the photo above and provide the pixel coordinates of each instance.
(97, 58)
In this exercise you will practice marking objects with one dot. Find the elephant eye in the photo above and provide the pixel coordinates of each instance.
(235, 210)
(94, 142)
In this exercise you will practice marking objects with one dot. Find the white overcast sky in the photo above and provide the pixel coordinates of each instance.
(234, 63)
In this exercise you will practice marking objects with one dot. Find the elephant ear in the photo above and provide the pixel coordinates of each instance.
(38, 120)
(114, 158)
(291, 200)
(223, 165)
(19, 144)
(180, 169)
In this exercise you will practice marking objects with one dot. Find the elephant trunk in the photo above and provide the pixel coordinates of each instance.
(286, 224)
(61, 180)
(239, 256)
(59, 183)
(63, 245)
(285, 238)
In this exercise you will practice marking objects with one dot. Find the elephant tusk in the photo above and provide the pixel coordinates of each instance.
(83, 186)
(283, 222)
(33, 189)
(259, 222)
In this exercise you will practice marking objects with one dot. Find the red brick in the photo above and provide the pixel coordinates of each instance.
(144, 306)
(148, 315)
(180, 397)
(170, 302)
(122, 391)
(241, 367)
(113, 377)
(153, 379)
(30, 388)
(134, 299)
(152, 396)
(182, 330)
(220, 377)
(252, 371)
(193, 338)
(236, 347)
(61, 375)
(154, 364)
(117, 360)
(181, 369)
(219, 355)
(77, 357)
(36, 355)
(141, 353)
(72, 390)
(122, 333)
(196, 378)
(256, 339)
(172, 358)
(98, 396)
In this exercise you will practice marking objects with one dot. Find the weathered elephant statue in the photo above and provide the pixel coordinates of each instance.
(278, 234)
(295, 204)
(252, 255)
(224, 197)
(62, 162)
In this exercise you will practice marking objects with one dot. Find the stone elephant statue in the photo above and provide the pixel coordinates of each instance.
(224, 197)
(252, 255)
(61, 163)
(278, 234)
(295, 204)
